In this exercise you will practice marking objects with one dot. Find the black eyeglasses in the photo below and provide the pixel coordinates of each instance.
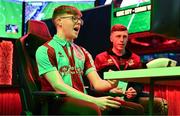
(75, 19)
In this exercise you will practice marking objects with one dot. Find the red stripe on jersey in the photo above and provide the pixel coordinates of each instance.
(51, 55)
(87, 60)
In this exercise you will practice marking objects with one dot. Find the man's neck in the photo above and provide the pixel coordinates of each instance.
(62, 36)
(118, 52)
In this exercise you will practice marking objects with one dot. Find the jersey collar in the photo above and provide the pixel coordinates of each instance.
(127, 54)
(61, 41)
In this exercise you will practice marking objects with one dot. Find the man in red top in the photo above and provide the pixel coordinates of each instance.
(120, 58)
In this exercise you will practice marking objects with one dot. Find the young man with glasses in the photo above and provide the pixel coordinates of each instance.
(62, 64)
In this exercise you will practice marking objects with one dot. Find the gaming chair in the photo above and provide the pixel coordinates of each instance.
(34, 101)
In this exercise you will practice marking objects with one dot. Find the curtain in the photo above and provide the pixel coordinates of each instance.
(10, 102)
(171, 93)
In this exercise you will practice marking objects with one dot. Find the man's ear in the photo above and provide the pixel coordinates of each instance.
(111, 38)
(58, 22)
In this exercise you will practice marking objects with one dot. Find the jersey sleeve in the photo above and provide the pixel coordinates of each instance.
(89, 62)
(137, 62)
(98, 62)
(102, 64)
(43, 61)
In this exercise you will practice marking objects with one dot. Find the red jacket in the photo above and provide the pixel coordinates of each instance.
(108, 60)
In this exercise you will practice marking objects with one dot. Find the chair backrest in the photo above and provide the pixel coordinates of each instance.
(26, 48)
(50, 26)
(38, 28)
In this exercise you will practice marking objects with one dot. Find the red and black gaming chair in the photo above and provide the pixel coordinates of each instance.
(34, 101)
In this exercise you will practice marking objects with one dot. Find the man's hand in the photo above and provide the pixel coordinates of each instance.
(131, 93)
(106, 102)
(113, 83)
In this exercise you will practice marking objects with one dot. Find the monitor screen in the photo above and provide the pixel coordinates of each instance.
(44, 10)
(11, 19)
(135, 15)
(122, 3)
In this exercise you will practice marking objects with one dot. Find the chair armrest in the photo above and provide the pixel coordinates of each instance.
(45, 97)
(95, 93)
(49, 94)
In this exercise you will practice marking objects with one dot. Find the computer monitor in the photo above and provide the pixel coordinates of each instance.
(41, 10)
(11, 19)
(135, 15)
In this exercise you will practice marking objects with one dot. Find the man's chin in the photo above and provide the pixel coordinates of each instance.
(75, 36)
(120, 49)
(72, 37)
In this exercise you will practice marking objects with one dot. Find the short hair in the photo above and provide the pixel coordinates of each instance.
(65, 9)
(118, 27)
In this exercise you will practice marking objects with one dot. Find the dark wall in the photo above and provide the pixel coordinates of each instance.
(165, 17)
(51, 26)
(94, 34)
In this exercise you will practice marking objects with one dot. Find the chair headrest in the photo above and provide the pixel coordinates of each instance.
(32, 42)
(38, 28)
(51, 27)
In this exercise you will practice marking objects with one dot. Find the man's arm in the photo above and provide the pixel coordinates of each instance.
(58, 84)
(134, 89)
(100, 84)
(56, 81)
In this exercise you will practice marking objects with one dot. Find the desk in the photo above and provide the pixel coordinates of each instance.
(146, 76)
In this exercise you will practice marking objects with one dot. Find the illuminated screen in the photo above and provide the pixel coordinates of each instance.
(44, 10)
(10, 19)
(134, 15)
